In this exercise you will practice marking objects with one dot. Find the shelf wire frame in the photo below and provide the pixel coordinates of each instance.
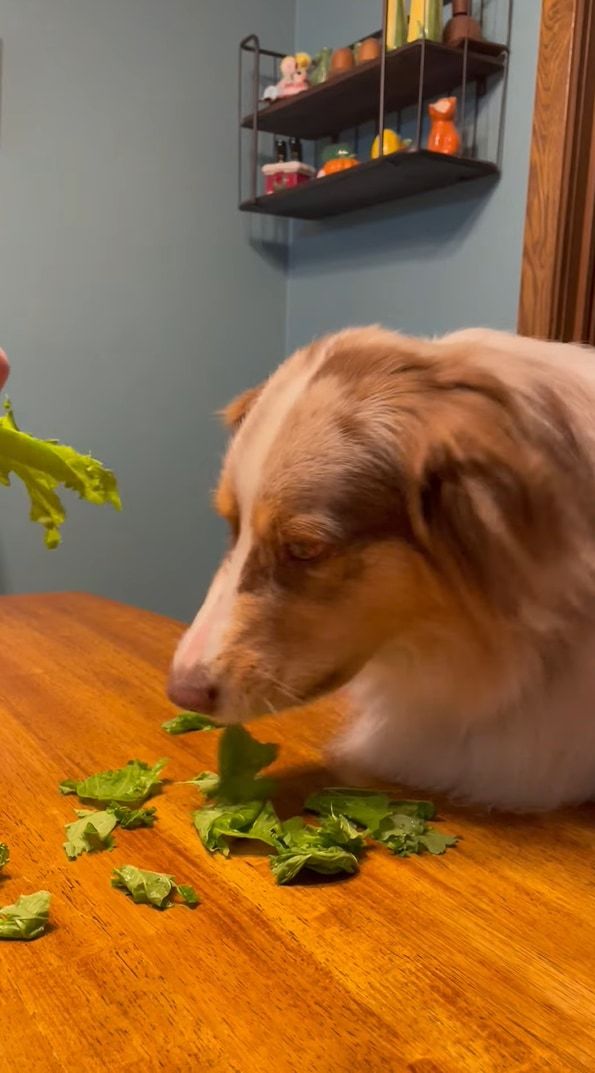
(251, 44)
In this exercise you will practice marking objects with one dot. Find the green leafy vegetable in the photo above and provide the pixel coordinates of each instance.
(207, 782)
(44, 465)
(4, 855)
(302, 846)
(216, 824)
(131, 818)
(129, 785)
(152, 888)
(186, 721)
(27, 918)
(406, 835)
(90, 833)
(399, 825)
(188, 895)
(368, 807)
(241, 757)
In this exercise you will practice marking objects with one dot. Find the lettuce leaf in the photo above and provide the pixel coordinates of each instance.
(4, 855)
(44, 465)
(187, 721)
(90, 833)
(27, 918)
(399, 825)
(303, 846)
(152, 888)
(129, 785)
(241, 758)
(217, 824)
(131, 818)
(406, 835)
(207, 782)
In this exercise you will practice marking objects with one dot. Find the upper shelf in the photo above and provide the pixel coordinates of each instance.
(349, 99)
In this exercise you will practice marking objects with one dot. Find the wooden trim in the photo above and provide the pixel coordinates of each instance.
(556, 279)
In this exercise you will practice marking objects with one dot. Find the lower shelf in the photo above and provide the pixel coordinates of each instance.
(394, 176)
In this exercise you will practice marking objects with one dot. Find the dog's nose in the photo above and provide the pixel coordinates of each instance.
(196, 691)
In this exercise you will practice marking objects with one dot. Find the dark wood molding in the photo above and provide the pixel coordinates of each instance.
(557, 289)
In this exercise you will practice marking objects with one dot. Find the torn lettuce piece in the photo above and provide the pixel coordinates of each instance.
(407, 835)
(304, 846)
(152, 888)
(188, 895)
(218, 823)
(326, 860)
(131, 818)
(368, 807)
(129, 785)
(44, 465)
(241, 758)
(4, 855)
(90, 833)
(187, 721)
(27, 918)
(206, 781)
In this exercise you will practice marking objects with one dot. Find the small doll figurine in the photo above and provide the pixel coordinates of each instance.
(294, 77)
(444, 136)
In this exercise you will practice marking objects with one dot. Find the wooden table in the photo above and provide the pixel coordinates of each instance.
(483, 960)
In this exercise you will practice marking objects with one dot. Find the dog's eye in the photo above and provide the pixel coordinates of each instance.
(305, 551)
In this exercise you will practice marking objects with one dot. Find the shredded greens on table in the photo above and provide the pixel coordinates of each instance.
(93, 830)
(45, 465)
(350, 819)
(27, 918)
(4, 855)
(187, 721)
(153, 888)
(129, 785)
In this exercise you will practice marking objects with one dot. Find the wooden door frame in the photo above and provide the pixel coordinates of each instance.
(557, 285)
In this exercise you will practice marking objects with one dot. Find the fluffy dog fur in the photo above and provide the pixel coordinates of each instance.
(415, 518)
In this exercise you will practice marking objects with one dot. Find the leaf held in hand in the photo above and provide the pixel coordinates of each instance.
(27, 918)
(44, 465)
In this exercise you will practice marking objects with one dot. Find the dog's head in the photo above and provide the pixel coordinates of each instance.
(376, 488)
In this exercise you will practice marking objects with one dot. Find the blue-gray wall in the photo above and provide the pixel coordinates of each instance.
(135, 299)
(132, 302)
(427, 264)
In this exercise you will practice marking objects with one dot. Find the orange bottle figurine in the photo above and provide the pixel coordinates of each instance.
(444, 136)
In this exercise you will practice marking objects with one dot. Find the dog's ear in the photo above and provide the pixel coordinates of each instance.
(234, 413)
(486, 507)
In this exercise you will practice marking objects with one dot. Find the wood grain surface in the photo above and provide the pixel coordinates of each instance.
(482, 960)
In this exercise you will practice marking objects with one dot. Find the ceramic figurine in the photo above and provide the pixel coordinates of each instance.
(294, 77)
(444, 136)
(425, 20)
(396, 24)
(391, 143)
(285, 174)
(461, 26)
(337, 158)
(320, 67)
(367, 50)
(342, 60)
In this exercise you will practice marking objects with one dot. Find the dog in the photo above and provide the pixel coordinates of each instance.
(414, 519)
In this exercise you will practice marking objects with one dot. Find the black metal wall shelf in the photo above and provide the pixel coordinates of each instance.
(394, 176)
(349, 99)
(407, 77)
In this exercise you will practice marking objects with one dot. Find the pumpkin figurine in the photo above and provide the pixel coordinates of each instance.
(444, 136)
(337, 158)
